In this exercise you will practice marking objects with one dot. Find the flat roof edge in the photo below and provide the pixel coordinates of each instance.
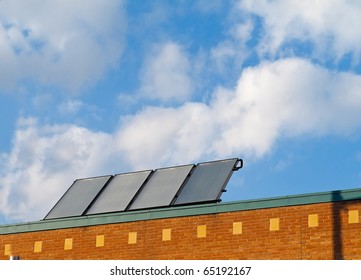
(182, 211)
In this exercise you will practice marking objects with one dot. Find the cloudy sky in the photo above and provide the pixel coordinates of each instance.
(97, 87)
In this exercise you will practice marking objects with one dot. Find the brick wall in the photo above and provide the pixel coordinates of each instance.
(313, 231)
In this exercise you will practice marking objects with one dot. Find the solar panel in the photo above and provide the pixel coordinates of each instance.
(207, 182)
(162, 187)
(78, 197)
(118, 193)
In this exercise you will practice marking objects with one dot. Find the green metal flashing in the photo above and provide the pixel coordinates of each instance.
(182, 211)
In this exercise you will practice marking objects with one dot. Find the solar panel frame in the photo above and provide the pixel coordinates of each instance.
(77, 198)
(162, 187)
(207, 182)
(118, 193)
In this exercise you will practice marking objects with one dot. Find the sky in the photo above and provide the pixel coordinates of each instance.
(90, 88)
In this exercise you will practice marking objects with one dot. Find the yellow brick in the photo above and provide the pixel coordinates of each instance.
(166, 234)
(68, 244)
(132, 238)
(313, 220)
(353, 217)
(7, 251)
(201, 231)
(99, 242)
(237, 228)
(274, 224)
(38, 246)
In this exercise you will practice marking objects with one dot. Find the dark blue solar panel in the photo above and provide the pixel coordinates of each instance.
(78, 197)
(207, 182)
(161, 187)
(118, 193)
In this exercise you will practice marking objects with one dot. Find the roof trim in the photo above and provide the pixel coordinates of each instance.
(182, 211)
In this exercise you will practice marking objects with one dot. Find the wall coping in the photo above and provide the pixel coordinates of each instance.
(182, 211)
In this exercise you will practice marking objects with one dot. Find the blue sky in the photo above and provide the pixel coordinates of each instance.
(90, 88)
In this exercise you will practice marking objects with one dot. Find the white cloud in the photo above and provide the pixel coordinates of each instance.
(286, 98)
(166, 74)
(161, 136)
(43, 163)
(332, 26)
(289, 98)
(66, 43)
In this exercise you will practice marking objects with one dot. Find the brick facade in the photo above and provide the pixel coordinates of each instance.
(327, 230)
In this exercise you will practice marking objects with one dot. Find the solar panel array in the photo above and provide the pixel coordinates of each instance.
(173, 186)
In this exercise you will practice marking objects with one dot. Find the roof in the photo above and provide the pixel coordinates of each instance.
(182, 211)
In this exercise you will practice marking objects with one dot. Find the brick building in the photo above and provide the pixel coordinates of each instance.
(309, 226)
